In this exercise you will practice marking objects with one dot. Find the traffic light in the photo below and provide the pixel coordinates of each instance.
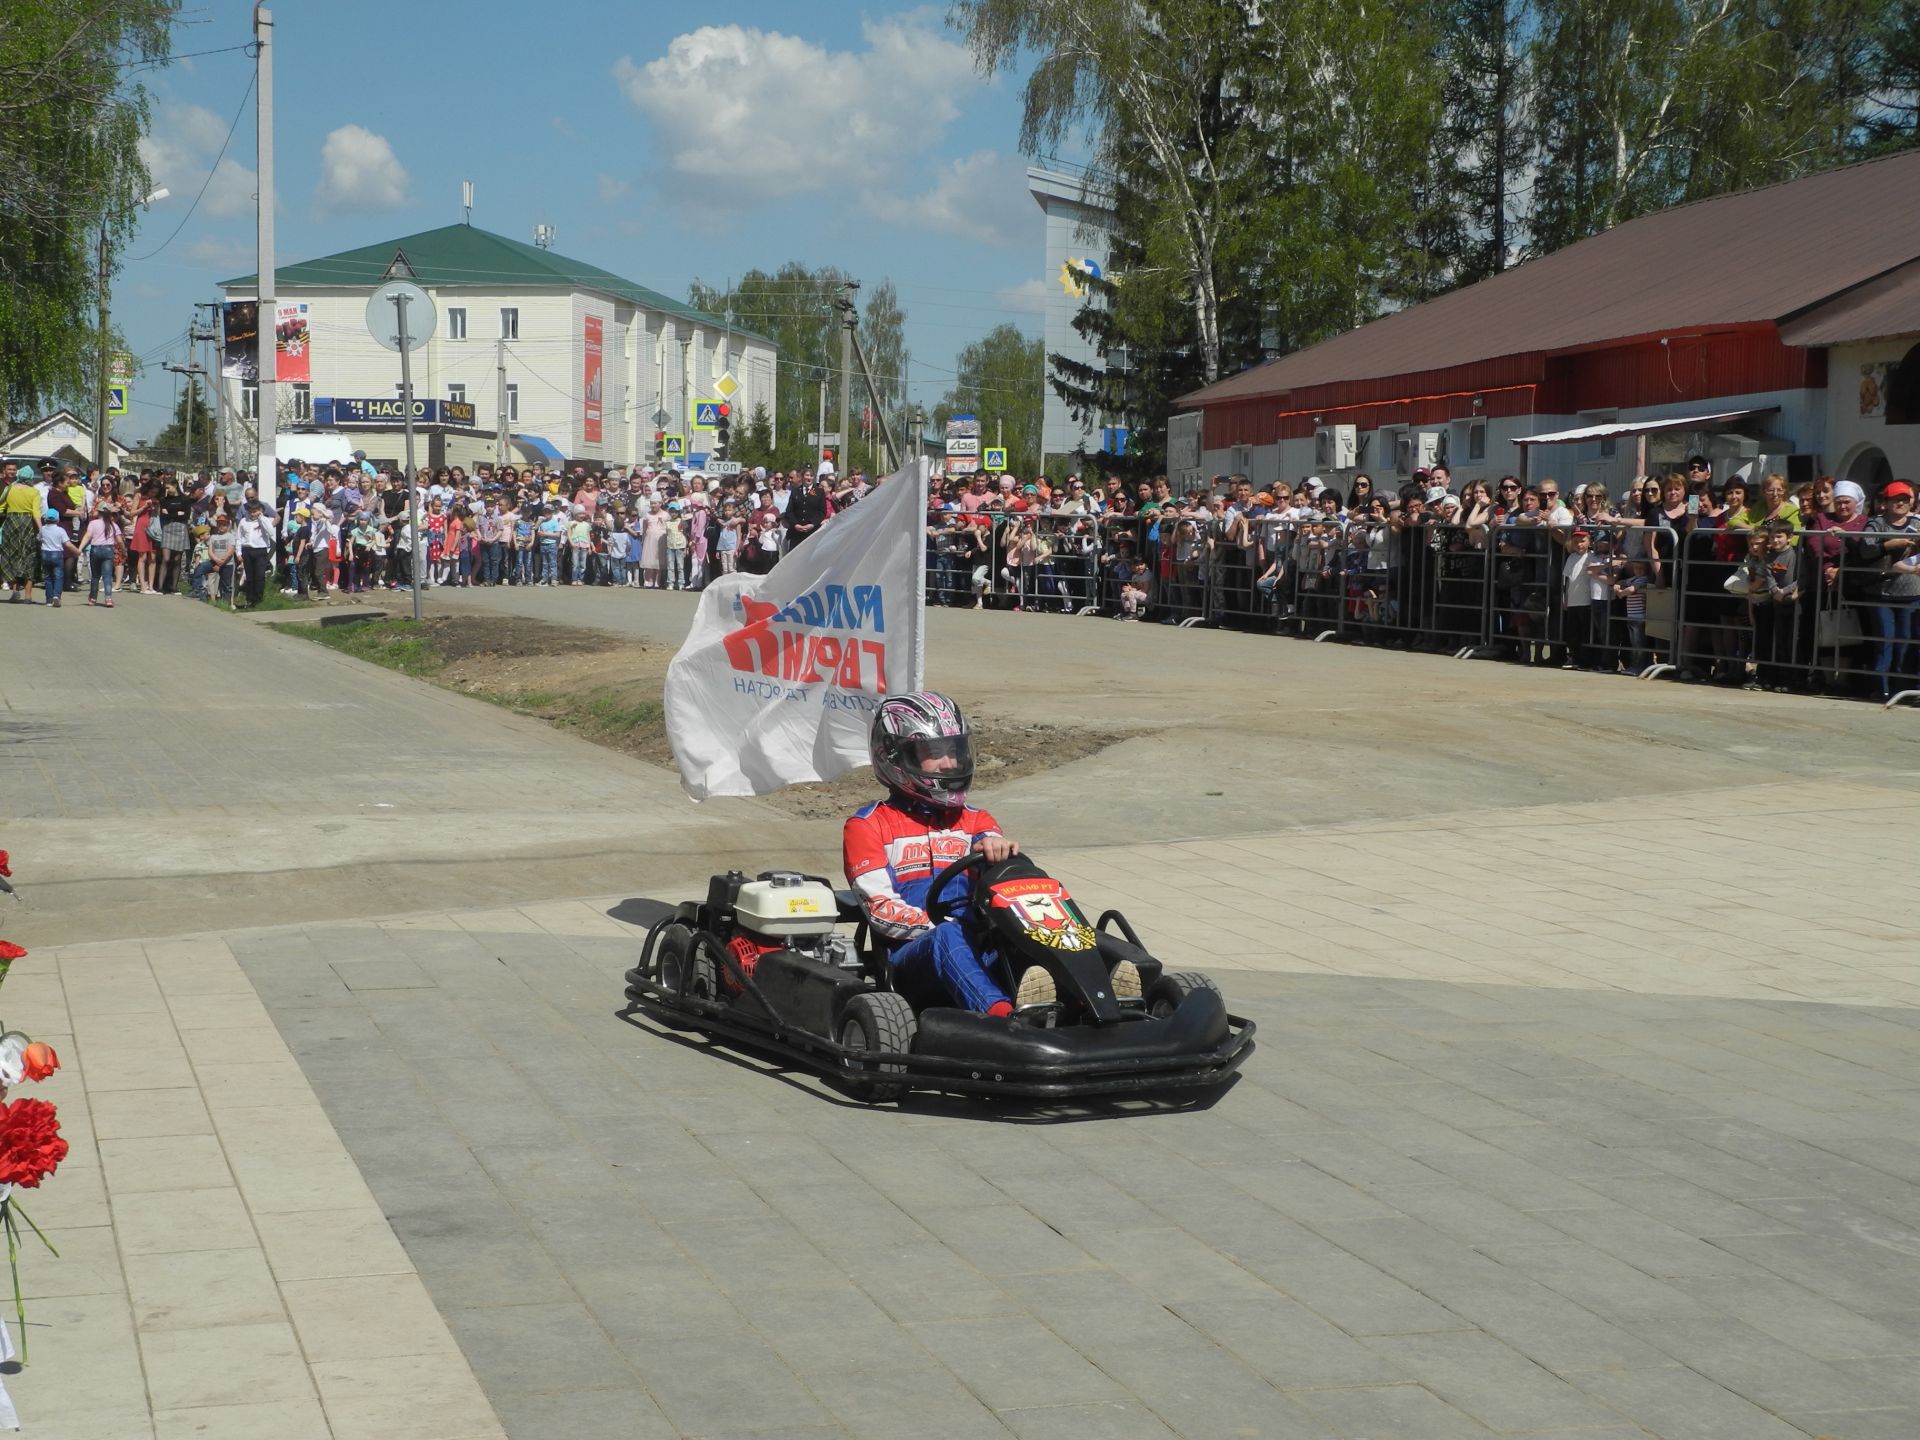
(723, 432)
(659, 438)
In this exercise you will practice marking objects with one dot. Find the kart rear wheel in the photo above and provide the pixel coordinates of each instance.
(1172, 988)
(877, 1020)
(675, 955)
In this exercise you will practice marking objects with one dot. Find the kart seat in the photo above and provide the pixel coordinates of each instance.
(851, 905)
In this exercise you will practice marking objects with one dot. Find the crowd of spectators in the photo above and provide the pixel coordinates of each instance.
(1730, 581)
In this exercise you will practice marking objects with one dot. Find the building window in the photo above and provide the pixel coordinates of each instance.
(513, 404)
(509, 323)
(457, 323)
(303, 404)
(249, 402)
(457, 394)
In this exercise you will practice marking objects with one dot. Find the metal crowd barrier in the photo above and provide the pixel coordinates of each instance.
(1660, 603)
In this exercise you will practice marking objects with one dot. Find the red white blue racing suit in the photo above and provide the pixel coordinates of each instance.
(894, 848)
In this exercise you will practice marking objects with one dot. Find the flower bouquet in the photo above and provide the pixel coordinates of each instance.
(31, 1148)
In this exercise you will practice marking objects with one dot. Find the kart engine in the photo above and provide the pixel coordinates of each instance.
(785, 910)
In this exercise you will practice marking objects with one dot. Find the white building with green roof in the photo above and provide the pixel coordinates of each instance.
(504, 305)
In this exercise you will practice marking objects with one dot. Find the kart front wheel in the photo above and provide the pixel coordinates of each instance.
(1171, 989)
(877, 1021)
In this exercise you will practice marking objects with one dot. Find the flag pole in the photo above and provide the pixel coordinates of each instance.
(921, 470)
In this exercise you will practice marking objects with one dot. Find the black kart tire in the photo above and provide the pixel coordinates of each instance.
(877, 1020)
(1172, 988)
(675, 953)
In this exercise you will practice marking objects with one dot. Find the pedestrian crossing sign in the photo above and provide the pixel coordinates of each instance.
(673, 447)
(706, 414)
(994, 459)
(117, 399)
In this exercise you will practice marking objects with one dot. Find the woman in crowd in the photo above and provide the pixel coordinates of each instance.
(174, 511)
(143, 543)
(653, 545)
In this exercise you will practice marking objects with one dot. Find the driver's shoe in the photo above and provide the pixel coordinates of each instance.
(1036, 988)
(1125, 976)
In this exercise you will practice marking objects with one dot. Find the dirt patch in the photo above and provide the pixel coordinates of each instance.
(607, 690)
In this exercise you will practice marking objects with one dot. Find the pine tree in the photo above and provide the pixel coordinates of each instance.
(171, 443)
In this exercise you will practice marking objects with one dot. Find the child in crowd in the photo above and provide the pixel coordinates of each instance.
(676, 547)
(55, 546)
(1631, 591)
(580, 542)
(200, 562)
(1585, 585)
(1771, 604)
(617, 553)
(727, 542)
(1134, 593)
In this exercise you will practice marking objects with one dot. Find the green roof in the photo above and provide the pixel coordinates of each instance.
(462, 255)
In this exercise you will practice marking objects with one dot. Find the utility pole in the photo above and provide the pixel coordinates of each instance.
(266, 343)
(849, 319)
(850, 339)
(100, 449)
(418, 553)
(500, 440)
(193, 370)
(820, 439)
(215, 374)
(686, 411)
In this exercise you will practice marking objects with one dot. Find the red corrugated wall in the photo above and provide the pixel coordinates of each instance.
(1644, 372)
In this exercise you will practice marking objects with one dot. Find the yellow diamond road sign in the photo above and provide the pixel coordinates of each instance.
(726, 385)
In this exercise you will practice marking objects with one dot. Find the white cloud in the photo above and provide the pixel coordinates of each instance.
(982, 196)
(745, 114)
(179, 152)
(612, 187)
(1029, 297)
(359, 171)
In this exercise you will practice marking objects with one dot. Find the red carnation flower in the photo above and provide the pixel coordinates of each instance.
(11, 951)
(30, 1145)
(6, 870)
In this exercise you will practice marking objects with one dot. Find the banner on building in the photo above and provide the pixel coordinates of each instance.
(295, 342)
(781, 673)
(241, 327)
(591, 389)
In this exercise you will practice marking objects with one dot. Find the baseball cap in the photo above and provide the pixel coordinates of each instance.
(51, 515)
(1896, 489)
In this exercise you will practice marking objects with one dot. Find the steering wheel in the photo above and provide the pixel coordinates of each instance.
(938, 911)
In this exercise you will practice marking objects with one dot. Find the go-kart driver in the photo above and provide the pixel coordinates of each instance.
(922, 751)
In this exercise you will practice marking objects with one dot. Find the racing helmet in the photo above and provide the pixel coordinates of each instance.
(910, 730)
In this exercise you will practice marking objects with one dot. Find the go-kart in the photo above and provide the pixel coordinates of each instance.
(785, 964)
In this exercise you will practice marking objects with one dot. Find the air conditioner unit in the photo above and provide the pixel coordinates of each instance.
(1336, 447)
(1429, 449)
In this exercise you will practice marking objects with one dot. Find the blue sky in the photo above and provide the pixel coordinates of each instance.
(660, 148)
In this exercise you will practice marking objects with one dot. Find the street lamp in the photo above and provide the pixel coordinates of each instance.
(100, 447)
(919, 431)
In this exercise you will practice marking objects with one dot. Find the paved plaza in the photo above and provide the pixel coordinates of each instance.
(1584, 1104)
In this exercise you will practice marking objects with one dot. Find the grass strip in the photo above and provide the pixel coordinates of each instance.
(392, 643)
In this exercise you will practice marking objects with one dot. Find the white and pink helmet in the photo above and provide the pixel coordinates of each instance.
(910, 730)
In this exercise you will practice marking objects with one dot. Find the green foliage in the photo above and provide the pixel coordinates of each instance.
(1284, 170)
(793, 307)
(1000, 380)
(70, 126)
(171, 443)
(755, 443)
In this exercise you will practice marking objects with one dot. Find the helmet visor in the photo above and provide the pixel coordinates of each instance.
(928, 753)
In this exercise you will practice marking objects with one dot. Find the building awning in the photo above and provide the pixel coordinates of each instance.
(1613, 429)
(546, 449)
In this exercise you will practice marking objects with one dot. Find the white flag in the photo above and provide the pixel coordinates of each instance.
(780, 675)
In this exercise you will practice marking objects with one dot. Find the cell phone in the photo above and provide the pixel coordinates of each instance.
(1693, 504)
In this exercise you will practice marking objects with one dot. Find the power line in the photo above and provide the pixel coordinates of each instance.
(211, 171)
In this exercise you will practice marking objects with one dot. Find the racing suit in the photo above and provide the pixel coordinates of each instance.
(894, 848)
